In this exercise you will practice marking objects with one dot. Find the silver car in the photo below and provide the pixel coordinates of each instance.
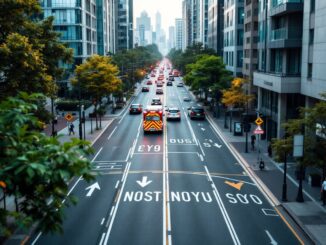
(173, 113)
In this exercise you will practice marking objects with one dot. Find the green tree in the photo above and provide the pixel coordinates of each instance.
(180, 60)
(207, 74)
(36, 168)
(99, 77)
(311, 123)
(30, 49)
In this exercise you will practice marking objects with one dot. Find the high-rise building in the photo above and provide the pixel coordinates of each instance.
(143, 33)
(111, 20)
(105, 15)
(190, 14)
(313, 72)
(124, 24)
(279, 66)
(179, 34)
(171, 42)
(76, 21)
(160, 34)
(250, 53)
(203, 22)
(233, 36)
(215, 25)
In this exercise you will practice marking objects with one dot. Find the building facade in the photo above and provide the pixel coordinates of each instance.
(76, 22)
(171, 41)
(313, 72)
(250, 52)
(124, 24)
(233, 36)
(179, 34)
(203, 22)
(143, 32)
(279, 62)
(215, 25)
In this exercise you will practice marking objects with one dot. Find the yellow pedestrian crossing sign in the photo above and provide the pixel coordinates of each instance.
(69, 117)
(259, 121)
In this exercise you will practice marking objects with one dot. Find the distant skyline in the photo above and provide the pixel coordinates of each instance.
(169, 9)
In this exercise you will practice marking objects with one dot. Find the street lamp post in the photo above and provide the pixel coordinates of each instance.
(80, 113)
(284, 190)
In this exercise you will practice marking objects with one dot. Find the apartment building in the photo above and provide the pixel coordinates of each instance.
(233, 36)
(215, 25)
(250, 40)
(279, 62)
(179, 33)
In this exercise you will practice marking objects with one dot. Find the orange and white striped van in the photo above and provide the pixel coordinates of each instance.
(153, 119)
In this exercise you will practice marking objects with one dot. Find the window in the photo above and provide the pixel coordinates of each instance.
(311, 36)
(240, 38)
(312, 6)
(309, 75)
(239, 58)
(240, 16)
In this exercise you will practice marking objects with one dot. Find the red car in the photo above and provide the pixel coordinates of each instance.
(135, 109)
(149, 82)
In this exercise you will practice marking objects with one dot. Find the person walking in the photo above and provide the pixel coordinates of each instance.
(71, 129)
(269, 149)
(323, 191)
(253, 140)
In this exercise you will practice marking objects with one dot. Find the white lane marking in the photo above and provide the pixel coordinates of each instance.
(260, 185)
(201, 157)
(273, 242)
(97, 154)
(103, 235)
(102, 222)
(211, 141)
(201, 148)
(128, 154)
(112, 209)
(202, 129)
(217, 145)
(38, 236)
(225, 214)
(117, 205)
(112, 133)
(123, 116)
(117, 184)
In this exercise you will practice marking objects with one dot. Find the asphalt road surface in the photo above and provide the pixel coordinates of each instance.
(184, 186)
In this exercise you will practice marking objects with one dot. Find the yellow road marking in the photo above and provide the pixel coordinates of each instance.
(235, 185)
(289, 226)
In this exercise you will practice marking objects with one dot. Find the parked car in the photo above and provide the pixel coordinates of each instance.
(186, 99)
(180, 84)
(196, 112)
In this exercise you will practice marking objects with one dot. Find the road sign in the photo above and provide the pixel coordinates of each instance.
(259, 121)
(3, 185)
(259, 130)
(69, 117)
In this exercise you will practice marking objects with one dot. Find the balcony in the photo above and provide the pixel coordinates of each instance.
(278, 82)
(281, 7)
(285, 38)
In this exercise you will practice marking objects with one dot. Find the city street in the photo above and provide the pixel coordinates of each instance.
(184, 186)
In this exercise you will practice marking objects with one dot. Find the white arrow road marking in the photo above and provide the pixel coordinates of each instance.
(217, 145)
(144, 182)
(273, 242)
(202, 129)
(211, 141)
(92, 188)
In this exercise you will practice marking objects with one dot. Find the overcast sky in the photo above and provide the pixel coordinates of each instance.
(169, 9)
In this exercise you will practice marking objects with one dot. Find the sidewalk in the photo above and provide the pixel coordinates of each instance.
(309, 215)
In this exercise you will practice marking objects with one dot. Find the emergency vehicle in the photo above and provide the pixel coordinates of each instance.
(153, 119)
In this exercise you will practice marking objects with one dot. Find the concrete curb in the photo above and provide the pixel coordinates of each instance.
(300, 224)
